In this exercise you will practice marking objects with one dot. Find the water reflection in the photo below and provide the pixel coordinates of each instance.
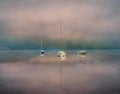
(82, 61)
(92, 74)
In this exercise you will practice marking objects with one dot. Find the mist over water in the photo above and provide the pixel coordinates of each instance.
(59, 24)
(25, 72)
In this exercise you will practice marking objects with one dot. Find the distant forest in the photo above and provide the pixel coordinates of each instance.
(56, 44)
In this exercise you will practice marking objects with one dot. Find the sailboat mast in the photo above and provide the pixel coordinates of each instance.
(61, 54)
(61, 35)
(41, 44)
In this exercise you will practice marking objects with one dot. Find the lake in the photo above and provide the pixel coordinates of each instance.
(26, 72)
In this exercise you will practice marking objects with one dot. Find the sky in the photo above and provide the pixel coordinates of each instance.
(78, 19)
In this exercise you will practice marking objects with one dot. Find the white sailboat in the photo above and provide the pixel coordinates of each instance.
(61, 54)
(82, 53)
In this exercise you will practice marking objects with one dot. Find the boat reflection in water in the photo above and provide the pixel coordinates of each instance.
(66, 64)
(74, 75)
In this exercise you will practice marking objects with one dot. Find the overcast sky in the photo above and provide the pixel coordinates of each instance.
(90, 19)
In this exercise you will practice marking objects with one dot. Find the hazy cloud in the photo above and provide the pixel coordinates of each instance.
(79, 18)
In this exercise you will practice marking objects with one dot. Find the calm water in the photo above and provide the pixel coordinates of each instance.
(25, 72)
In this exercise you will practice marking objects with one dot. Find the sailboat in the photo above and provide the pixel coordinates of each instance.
(82, 53)
(61, 54)
(42, 52)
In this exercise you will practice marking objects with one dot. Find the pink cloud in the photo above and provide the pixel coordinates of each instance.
(78, 20)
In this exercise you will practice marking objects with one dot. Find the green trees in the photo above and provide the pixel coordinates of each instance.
(65, 44)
